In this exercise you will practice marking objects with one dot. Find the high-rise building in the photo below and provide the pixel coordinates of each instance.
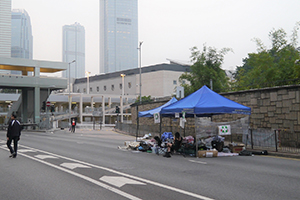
(74, 49)
(5, 28)
(118, 35)
(21, 35)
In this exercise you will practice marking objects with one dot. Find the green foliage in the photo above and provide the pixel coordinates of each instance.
(270, 67)
(207, 65)
(144, 99)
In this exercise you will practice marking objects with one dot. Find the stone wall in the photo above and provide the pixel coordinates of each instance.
(271, 108)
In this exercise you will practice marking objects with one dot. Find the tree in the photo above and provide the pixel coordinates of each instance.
(270, 67)
(144, 99)
(206, 67)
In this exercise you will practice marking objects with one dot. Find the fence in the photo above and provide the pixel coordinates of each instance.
(256, 139)
(154, 129)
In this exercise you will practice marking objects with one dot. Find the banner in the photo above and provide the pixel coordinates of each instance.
(156, 118)
(224, 130)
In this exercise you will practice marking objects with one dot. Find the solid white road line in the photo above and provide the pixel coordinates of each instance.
(126, 175)
(119, 192)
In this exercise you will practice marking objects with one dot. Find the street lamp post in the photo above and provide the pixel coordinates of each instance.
(70, 90)
(88, 82)
(123, 89)
(140, 49)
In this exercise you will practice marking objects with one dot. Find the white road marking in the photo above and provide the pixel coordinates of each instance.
(119, 192)
(113, 171)
(200, 162)
(45, 156)
(25, 150)
(119, 181)
(73, 165)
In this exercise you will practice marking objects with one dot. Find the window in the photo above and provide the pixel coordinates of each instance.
(97, 88)
(183, 82)
(104, 87)
(112, 87)
(84, 90)
(91, 89)
(78, 90)
(120, 86)
(174, 82)
(129, 85)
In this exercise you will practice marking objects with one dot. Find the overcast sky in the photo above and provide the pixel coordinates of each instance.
(168, 28)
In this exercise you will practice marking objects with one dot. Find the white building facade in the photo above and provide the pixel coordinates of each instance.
(5, 28)
(74, 49)
(118, 35)
(157, 81)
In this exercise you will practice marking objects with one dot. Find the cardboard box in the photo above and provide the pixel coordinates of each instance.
(207, 153)
(237, 148)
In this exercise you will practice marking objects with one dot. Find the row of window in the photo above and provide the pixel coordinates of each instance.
(104, 88)
(120, 86)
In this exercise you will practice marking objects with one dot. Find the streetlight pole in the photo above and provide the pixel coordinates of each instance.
(140, 49)
(70, 90)
(123, 89)
(88, 82)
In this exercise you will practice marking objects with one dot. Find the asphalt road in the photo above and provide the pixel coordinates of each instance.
(88, 165)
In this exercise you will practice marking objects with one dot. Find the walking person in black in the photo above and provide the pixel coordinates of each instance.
(13, 134)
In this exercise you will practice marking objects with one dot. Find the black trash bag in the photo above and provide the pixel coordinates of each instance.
(145, 146)
(245, 153)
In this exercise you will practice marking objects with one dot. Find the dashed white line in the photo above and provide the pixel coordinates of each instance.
(200, 162)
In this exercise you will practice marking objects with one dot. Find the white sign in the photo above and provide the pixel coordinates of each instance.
(181, 123)
(224, 130)
(156, 118)
(176, 115)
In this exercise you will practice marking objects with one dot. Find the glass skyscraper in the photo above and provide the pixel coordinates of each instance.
(21, 35)
(74, 49)
(118, 35)
(5, 28)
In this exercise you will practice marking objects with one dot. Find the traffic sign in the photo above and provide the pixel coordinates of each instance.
(48, 104)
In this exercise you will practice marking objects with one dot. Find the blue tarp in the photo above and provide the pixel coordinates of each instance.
(149, 113)
(205, 102)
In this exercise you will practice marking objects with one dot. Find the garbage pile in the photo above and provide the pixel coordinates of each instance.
(209, 147)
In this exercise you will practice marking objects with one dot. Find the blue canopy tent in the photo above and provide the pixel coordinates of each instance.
(204, 103)
(150, 113)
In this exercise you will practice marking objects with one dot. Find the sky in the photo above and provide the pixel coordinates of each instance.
(168, 28)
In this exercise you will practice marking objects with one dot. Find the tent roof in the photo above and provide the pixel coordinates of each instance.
(149, 113)
(205, 102)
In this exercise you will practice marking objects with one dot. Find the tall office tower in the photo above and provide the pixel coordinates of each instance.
(74, 49)
(21, 35)
(118, 35)
(5, 27)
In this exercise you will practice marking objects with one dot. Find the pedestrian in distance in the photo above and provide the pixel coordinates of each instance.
(73, 126)
(13, 134)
